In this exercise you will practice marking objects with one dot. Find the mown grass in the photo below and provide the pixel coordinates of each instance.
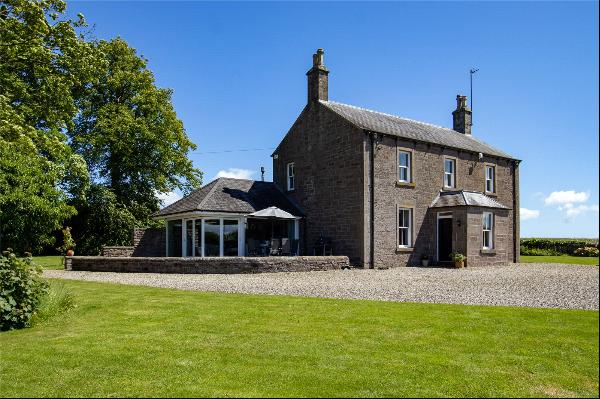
(567, 259)
(140, 341)
(49, 262)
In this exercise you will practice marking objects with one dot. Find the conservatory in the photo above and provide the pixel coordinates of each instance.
(232, 217)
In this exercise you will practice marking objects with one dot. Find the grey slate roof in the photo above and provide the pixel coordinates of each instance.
(410, 129)
(465, 198)
(232, 196)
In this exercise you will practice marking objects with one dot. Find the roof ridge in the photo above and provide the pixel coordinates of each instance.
(462, 192)
(212, 189)
(393, 116)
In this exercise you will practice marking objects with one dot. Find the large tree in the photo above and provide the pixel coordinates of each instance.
(129, 133)
(44, 65)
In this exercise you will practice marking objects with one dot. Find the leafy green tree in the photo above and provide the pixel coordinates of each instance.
(101, 220)
(129, 133)
(44, 65)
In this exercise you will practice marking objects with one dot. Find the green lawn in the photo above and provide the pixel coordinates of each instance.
(575, 260)
(141, 341)
(49, 262)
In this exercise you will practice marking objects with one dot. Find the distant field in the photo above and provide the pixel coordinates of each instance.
(593, 240)
(572, 260)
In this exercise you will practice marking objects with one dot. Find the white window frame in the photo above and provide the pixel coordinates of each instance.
(291, 177)
(408, 228)
(408, 166)
(452, 175)
(489, 230)
(491, 180)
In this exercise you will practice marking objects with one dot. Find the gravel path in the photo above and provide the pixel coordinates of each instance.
(531, 284)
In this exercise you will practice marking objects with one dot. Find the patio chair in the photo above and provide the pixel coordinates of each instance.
(275, 247)
(286, 247)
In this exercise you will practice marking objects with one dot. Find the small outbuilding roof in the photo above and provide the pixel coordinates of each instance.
(229, 195)
(465, 198)
(413, 130)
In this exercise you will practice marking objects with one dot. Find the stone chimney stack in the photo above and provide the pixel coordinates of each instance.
(461, 117)
(317, 78)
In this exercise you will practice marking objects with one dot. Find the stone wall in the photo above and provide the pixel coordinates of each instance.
(117, 251)
(149, 242)
(226, 265)
(146, 242)
(328, 155)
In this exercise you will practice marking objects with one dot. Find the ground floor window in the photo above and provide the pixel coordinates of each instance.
(174, 238)
(404, 228)
(488, 229)
(230, 237)
(212, 234)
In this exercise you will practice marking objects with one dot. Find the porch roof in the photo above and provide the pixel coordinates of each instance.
(230, 195)
(465, 198)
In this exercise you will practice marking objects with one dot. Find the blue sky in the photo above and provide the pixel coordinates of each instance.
(238, 74)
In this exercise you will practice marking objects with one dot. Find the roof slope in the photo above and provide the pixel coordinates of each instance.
(410, 129)
(465, 198)
(232, 196)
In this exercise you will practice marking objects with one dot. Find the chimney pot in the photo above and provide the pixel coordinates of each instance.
(318, 81)
(462, 116)
(461, 102)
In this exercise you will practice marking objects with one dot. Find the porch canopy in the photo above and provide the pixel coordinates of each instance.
(224, 216)
(465, 198)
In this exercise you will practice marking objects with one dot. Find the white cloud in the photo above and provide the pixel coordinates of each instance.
(236, 173)
(572, 210)
(527, 214)
(168, 198)
(566, 197)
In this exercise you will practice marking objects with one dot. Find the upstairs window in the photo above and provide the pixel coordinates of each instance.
(404, 228)
(488, 230)
(404, 166)
(449, 173)
(490, 179)
(291, 178)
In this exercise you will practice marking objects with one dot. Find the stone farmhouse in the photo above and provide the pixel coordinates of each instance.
(380, 189)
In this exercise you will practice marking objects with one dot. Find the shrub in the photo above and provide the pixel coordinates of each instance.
(586, 251)
(539, 252)
(68, 242)
(553, 246)
(21, 290)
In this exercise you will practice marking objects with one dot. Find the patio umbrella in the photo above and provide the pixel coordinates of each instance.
(272, 213)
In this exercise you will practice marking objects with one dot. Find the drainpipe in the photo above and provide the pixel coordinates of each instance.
(516, 214)
(373, 139)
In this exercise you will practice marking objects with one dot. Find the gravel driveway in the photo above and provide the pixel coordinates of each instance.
(531, 284)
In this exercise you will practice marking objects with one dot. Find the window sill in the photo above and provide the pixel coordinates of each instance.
(491, 194)
(448, 188)
(488, 252)
(405, 184)
(404, 249)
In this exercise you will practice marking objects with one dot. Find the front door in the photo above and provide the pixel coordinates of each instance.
(444, 239)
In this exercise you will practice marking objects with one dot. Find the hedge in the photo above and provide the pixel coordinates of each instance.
(553, 246)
